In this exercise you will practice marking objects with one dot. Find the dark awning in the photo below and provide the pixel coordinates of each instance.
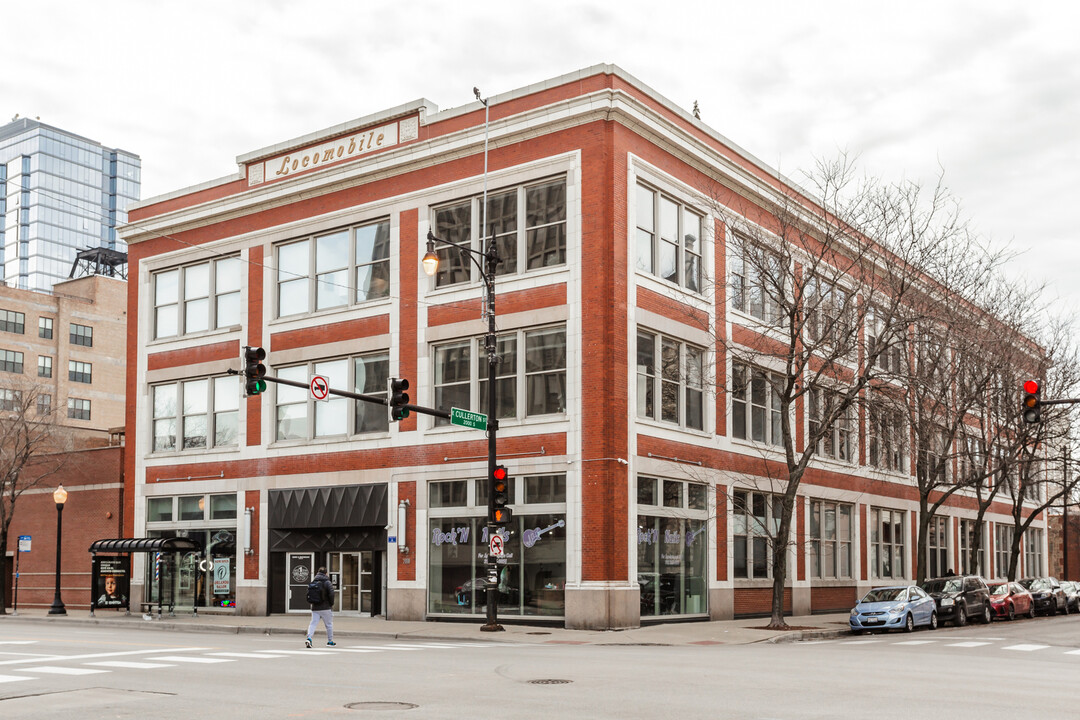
(158, 544)
(346, 506)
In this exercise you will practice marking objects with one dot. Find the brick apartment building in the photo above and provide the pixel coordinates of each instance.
(65, 348)
(623, 513)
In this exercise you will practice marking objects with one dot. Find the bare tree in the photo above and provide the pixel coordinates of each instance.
(807, 271)
(31, 447)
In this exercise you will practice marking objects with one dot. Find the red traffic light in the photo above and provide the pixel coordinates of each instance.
(1031, 386)
(499, 473)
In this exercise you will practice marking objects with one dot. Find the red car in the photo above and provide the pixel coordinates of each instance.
(1009, 599)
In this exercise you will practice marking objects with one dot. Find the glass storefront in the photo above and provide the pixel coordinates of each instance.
(672, 542)
(204, 578)
(532, 570)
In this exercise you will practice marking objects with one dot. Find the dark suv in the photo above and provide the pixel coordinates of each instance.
(960, 597)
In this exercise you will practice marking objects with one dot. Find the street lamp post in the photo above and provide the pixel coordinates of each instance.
(60, 497)
(487, 274)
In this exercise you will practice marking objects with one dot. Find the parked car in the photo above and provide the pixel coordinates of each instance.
(901, 607)
(1048, 595)
(1009, 599)
(960, 597)
(1072, 594)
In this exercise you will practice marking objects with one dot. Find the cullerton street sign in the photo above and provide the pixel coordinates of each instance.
(469, 419)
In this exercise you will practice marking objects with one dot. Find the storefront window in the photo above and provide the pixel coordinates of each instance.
(672, 548)
(532, 571)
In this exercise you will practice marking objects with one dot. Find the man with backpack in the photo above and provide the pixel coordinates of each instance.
(320, 594)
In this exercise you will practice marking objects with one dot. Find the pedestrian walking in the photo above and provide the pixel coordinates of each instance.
(320, 594)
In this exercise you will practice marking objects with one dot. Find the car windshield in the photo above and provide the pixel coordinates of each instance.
(1040, 585)
(1026, 583)
(884, 595)
(999, 589)
(944, 585)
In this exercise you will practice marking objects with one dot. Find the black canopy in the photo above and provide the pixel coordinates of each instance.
(158, 544)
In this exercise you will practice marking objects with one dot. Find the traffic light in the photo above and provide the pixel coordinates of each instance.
(254, 370)
(1032, 403)
(397, 399)
(500, 494)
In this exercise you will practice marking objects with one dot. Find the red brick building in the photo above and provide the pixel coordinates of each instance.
(94, 510)
(312, 251)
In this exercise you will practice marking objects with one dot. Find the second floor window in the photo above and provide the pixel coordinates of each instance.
(299, 417)
(339, 268)
(11, 361)
(528, 224)
(885, 436)
(81, 335)
(44, 404)
(670, 380)
(197, 298)
(836, 440)
(10, 400)
(44, 366)
(78, 409)
(12, 322)
(531, 374)
(668, 239)
(757, 280)
(79, 371)
(45, 328)
(198, 414)
(755, 406)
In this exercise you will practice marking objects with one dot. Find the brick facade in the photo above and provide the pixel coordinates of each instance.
(603, 133)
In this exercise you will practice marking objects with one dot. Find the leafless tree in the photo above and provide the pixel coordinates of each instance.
(807, 272)
(32, 443)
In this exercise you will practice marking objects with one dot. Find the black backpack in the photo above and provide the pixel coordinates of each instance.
(315, 592)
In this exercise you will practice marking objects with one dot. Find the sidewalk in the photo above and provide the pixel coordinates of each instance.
(724, 632)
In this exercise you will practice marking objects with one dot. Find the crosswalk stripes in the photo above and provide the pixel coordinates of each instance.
(1026, 647)
(104, 662)
(973, 643)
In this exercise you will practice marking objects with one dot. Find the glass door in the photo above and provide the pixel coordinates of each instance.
(301, 571)
(353, 579)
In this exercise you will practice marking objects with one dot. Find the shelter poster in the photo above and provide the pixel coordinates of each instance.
(112, 582)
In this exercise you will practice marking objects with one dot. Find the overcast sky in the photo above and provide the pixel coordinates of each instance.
(988, 92)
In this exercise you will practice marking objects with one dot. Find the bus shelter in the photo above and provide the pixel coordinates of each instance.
(110, 585)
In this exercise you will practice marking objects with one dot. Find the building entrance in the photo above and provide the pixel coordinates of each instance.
(301, 569)
(353, 577)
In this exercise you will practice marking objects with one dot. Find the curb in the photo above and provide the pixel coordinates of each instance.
(804, 635)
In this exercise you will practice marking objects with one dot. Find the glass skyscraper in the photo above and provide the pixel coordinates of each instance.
(59, 194)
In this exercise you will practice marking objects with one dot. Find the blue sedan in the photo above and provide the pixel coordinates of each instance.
(894, 608)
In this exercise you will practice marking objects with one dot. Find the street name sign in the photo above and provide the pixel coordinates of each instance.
(469, 419)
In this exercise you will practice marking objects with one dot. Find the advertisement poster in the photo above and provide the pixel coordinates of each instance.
(111, 582)
(221, 576)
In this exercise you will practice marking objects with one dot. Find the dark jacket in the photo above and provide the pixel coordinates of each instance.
(328, 592)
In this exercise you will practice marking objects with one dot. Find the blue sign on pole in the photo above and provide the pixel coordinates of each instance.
(24, 543)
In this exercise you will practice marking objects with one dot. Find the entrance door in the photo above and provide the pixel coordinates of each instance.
(352, 574)
(301, 571)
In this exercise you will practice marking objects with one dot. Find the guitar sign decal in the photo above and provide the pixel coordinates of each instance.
(529, 537)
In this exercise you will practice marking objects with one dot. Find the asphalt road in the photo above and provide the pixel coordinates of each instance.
(94, 672)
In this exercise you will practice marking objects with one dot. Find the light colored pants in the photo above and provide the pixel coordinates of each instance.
(327, 617)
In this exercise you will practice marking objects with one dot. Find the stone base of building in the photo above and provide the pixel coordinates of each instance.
(722, 603)
(406, 603)
(800, 600)
(603, 606)
(251, 600)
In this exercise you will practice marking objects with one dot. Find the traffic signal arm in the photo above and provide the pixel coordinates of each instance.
(375, 399)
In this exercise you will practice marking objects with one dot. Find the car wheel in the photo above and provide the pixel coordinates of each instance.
(986, 616)
(961, 616)
(1065, 610)
(933, 621)
(909, 623)
(1031, 611)
(1012, 612)
(1054, 610)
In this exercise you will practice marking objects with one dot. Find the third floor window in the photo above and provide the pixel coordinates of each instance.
(12, 322)
(528, 224)
(337, 269)
(668, 239)
(197, 298)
